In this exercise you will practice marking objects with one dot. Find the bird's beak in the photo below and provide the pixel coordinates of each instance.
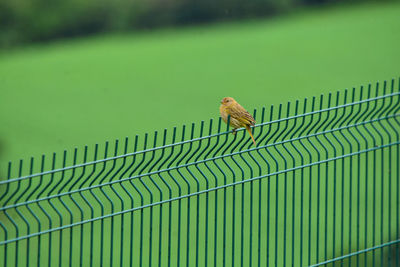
(222, 101)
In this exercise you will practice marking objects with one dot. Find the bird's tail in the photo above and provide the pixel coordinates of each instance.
(249, 131)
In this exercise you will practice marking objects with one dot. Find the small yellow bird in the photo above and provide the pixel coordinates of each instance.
(239, 116)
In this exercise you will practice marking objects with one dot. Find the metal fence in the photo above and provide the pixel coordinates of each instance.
(320, 188)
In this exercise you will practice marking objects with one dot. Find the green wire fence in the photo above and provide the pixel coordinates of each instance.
(321, 188)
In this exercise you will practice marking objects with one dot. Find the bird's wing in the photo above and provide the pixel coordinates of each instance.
(242, 115)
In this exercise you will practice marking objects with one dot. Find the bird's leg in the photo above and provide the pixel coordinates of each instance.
(234, 131)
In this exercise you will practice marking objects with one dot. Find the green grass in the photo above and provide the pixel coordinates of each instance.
(71, 93)
(80, 92)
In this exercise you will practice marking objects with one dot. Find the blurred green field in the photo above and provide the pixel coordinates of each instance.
(86, 91)
(70, 93)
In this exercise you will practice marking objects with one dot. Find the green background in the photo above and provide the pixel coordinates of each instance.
(71, 93)
(78, 92)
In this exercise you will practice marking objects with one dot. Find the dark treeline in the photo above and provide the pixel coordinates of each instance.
(23, 21)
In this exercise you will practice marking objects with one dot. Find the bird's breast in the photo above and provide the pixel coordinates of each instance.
(223, 112)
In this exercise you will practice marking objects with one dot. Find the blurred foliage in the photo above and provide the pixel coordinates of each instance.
(23, 21)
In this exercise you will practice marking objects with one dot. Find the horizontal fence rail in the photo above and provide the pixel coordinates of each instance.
(320, 188)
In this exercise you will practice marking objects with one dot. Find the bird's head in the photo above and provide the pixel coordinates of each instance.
(226, 101)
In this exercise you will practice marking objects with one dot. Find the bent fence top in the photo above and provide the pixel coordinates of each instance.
(321, 186)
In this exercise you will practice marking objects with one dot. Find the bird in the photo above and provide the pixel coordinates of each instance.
(239, 116)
